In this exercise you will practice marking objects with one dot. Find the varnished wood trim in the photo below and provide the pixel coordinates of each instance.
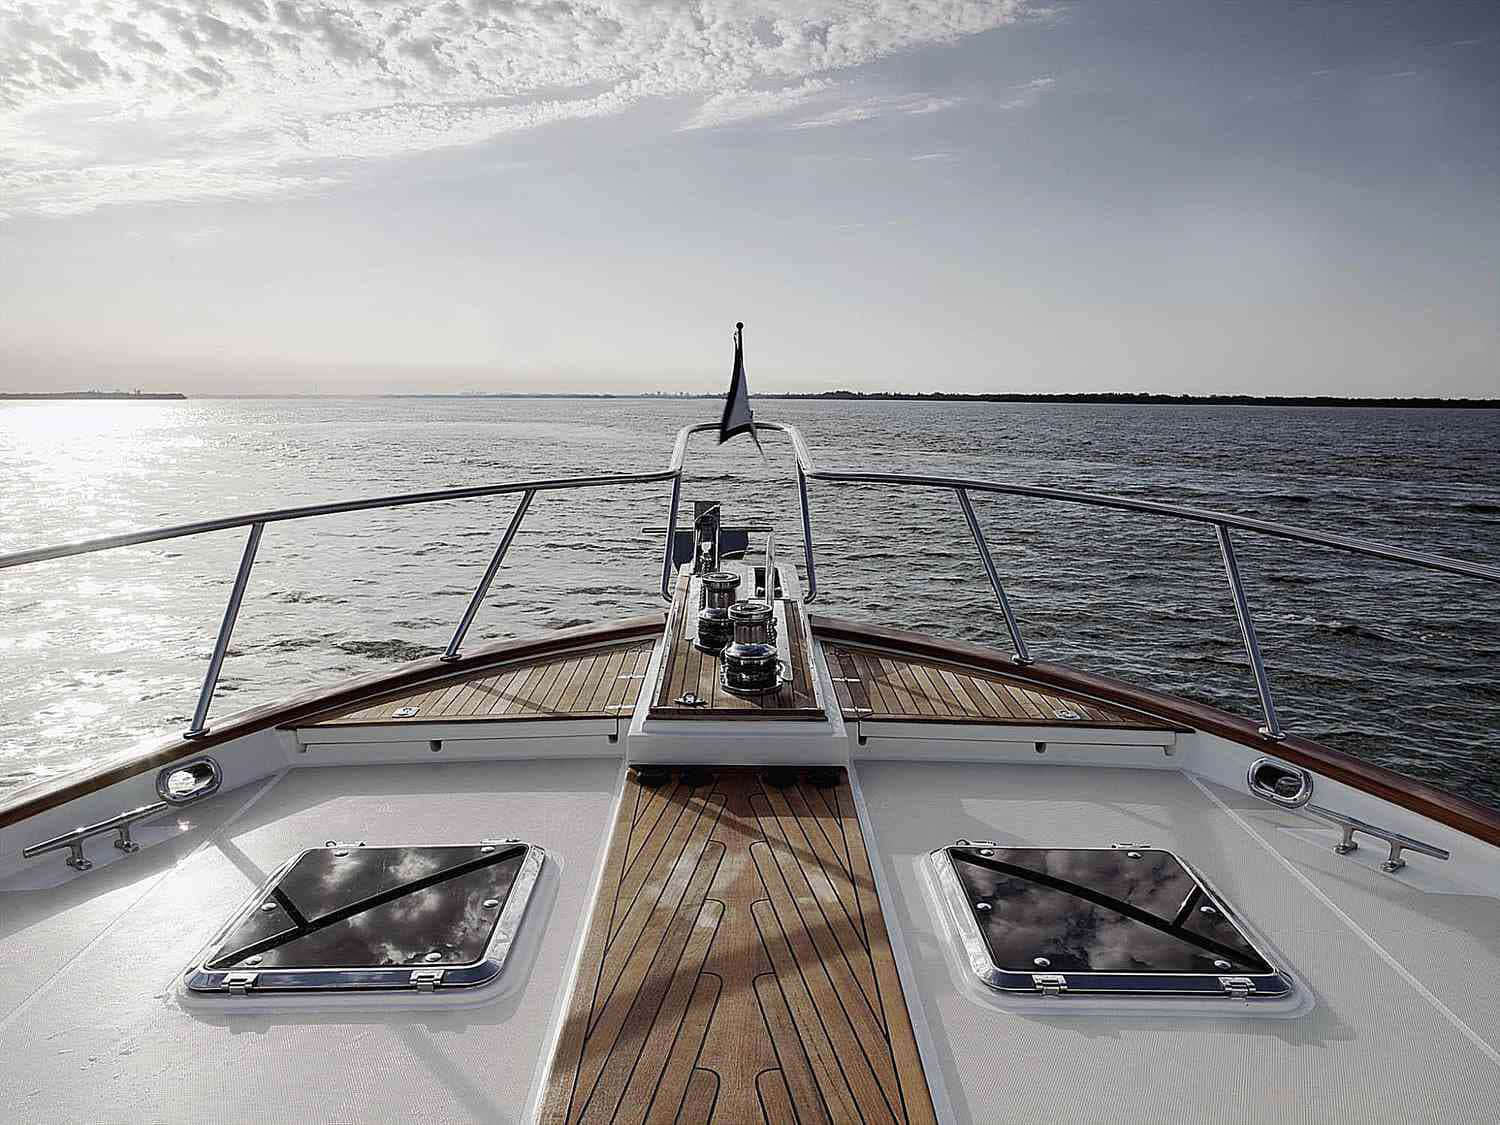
(1469, 817)
(737, 968)
(31, 800)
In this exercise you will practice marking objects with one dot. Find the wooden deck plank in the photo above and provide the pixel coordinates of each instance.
(597, 694)
(881, 700)
(758, 987)
(894, 686)
(489, 692)
(775, 1097)
(1020, 697)
(583, 681)
(515, 688)
(632, 675)
(634, 1069)
(944, 691)
(540, 688)
(874, 683)
(921, 705)
(1007, 702)
(838, 949)
(665, 1102)
(573, 685)
(930, 682)
(971, 701)
(566, 675)
(645, 967)
(702, 1097)
(858, 689)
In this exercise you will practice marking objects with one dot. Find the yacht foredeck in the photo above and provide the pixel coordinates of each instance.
(736, 912)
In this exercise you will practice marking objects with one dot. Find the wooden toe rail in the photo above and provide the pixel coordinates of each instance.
(737, 968)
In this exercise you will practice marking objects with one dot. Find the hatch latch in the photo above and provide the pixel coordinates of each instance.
(1238, 987)
(426, 980)
(1050, 984)
(239, 983)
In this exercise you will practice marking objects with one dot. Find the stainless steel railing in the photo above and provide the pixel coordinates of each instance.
(1221, 522)
(257, 521)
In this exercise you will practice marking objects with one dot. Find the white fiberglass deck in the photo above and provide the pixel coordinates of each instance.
(92, 1026)
(1404, 1025)
(1406, 1015)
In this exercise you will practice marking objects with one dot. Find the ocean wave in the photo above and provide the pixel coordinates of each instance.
(394, 649)
(1335, 627)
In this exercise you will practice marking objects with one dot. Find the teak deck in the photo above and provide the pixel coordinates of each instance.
(871, 684)
(688, 669)
(596, 682)
(737, 968)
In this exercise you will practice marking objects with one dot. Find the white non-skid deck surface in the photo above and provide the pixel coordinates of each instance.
(91, 1026)
(92, 1030)
(1377, 1047)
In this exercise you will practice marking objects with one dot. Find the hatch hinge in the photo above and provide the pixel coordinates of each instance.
(1050, 984)
(239, 983)
(426, 980)
(1238, 987)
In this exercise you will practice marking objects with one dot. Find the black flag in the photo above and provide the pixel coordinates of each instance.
(737, 418)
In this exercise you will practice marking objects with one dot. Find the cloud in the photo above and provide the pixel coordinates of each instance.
(106, 100)
(907, 105)
(1027, 94)
(735, 106)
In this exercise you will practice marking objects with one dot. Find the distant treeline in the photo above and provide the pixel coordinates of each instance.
(91, 394)
(1120, 397)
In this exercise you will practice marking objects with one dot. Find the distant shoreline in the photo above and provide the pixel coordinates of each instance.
(1104, 398)
(1088, 398)
(42, 396)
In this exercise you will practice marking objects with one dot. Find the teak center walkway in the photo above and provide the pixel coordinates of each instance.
(737, 968)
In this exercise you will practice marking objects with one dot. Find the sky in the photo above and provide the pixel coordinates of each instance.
(299, 196)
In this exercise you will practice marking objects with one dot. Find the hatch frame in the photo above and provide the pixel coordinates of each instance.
(1277, 985)
(240, 981)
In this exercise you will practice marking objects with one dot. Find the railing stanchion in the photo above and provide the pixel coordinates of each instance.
(1272, 728)
(489, 576)
(221, 644)
(811, 594)
(1022, 656)
(666, 557)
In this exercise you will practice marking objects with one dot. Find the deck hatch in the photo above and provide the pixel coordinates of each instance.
(355, 918)
(1121, 920)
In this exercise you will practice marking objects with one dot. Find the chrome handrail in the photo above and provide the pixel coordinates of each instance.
(257, 521)
(1220, 521)
(807, 470)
